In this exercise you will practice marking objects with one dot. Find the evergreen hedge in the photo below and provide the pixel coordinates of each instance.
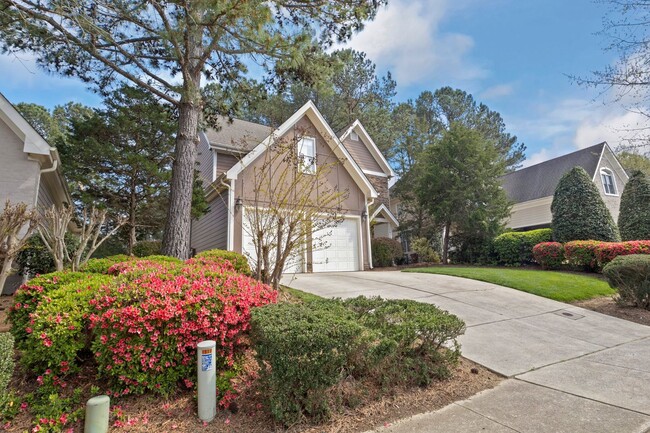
(516, 248)
(634, 215)
(579, 212)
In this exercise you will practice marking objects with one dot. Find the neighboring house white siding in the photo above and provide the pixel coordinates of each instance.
(531, 213)
(211, 230)
(609, 164)
(18, 175)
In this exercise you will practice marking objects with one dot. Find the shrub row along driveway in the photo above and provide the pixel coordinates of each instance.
(570, 369)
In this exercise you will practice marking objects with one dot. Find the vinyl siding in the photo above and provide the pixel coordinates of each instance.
(613, 202)
(18, 175)
(211, 230)
(362, 155)
(45, 197)
(531, 213)
(225, 162)
(204, 161)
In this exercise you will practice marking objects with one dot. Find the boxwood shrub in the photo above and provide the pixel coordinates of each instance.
(630, 276)
(306, 350)
(302, 351)
(385, 252)
(516, 248)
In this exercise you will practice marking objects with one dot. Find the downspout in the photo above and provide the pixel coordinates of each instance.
(368, 233)
(55, 165)
(230, 242)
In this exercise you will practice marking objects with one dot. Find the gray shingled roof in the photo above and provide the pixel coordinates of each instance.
(240, 135)
(540, 180)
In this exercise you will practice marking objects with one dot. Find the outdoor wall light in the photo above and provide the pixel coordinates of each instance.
(364, 215)
(238, 204)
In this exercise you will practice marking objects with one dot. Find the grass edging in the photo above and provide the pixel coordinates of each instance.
(559, 286)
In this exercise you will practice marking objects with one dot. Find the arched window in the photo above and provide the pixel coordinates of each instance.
(609, 184)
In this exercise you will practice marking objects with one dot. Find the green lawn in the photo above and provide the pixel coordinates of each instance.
(560, 286)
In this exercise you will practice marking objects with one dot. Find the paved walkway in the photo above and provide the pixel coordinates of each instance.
(570, 369)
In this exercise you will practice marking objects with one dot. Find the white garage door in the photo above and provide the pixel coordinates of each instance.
(294, 264)
(342, 252)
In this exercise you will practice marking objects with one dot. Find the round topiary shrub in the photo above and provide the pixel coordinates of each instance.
(147, 327)
(385, 252)
(579, 212)
(634, 214)
(630, 276)
(550, 255)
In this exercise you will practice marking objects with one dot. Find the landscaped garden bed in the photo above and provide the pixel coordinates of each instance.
(287, 360)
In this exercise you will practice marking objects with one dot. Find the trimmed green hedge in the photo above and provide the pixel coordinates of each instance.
(630, 276)
(306, 350)
(516, 248)
(385, 252)
(634, 213)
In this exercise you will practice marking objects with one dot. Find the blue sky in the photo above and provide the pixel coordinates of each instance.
(514, 55)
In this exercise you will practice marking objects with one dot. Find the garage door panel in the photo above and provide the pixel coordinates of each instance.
(342, 252)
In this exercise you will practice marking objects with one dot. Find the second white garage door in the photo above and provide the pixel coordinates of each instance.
(342, 253)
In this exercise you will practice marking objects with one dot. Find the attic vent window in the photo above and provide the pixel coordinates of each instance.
(608, 181)
(354, 136)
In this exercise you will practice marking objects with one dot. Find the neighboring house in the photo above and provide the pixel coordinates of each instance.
(227, 157)
(532, 188)
(30, 170)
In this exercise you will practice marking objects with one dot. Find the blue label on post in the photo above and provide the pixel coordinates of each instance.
(206, 362)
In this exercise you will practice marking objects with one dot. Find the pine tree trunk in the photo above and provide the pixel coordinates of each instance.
(132, 207)
(176, 240)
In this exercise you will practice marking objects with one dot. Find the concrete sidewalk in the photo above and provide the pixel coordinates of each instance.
(569, 369)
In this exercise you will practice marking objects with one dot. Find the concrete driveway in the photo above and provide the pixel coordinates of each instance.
(569, 369)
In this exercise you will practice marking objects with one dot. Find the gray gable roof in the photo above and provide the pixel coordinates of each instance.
(240, 135)
(540, 180)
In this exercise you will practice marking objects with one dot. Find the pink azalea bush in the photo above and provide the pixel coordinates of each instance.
(146, 328)
(550, 255)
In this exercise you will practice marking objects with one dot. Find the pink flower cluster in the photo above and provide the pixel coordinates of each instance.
(148, 327)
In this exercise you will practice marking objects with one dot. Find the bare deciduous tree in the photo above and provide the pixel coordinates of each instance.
(17, 223)
(292, 206)
(95, 229)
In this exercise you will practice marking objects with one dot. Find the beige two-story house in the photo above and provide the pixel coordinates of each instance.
(227, 160)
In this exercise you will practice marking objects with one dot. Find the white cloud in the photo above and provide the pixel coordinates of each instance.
(406, 38)
(498, 91)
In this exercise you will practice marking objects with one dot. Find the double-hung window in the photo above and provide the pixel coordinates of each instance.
(608, 182)
(307, 155)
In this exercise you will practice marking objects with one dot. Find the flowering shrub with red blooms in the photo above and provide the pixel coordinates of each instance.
(239, 261)
(582, 254)
(29, 296)
(59, 326)
(549, 255)
(146, 328)
(135, 268)
(608, 251)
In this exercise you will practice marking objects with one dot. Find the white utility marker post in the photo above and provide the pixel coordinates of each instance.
(206, 382)
(97, 413)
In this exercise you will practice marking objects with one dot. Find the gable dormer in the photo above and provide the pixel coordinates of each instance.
(369, 158)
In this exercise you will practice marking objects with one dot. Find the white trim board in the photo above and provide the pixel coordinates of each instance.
(389, 215)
